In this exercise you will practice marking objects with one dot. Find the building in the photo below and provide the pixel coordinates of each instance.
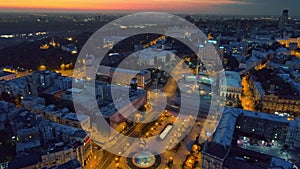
(7, 75)
(115, 103)
(264, 39)
(36, 83)
(258, 91)
(294, 63)
(151, 57)
(78, 121)
(286, 42)
(29, 101)
(72, 164)
(238, 47)
(61, 116)
(89, 67)
(27, 139)
(110, 41)
(253, 62)
(118, 111)
(66, 144)
(16, 87)
(239, 135)
(271, 101)
(123, 77)
(59, 155)
(70, 48)
(44, 143)
(182, 33)
(230, 85)
(63, 82)
(283, 21)
(296, 76)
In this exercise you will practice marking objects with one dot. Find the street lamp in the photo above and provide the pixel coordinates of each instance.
(170, 163)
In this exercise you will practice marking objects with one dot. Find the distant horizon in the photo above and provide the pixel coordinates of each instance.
(79, 11)
(215, 7)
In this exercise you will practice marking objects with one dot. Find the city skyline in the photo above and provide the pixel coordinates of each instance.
(221, 7)
(151, 84)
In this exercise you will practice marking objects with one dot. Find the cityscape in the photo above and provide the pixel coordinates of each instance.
(123, 87)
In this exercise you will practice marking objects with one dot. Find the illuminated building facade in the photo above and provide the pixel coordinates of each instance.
(274, 103)
(270, 101)
(231, 85)
(7, 76)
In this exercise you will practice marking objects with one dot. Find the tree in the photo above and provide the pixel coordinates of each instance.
(6, 97)
(275, 45)
(189, 18)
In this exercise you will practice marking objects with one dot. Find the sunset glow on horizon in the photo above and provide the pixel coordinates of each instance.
(231, 7)
(119, 5)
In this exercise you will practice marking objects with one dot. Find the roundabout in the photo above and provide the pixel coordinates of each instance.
(143, 160)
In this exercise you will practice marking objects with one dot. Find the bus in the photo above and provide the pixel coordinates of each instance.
(165, 132)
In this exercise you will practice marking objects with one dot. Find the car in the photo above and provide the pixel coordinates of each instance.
(96, 147)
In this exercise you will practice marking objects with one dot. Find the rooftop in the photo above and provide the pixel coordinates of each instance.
(24, 161)
(134, 72)
(150, 53)
(74, 117)
(23, 146)
(64, 129)
(259, 88)
(248, 159)
(276, 162)
(119, 101)
(231, 79)
(225, 129)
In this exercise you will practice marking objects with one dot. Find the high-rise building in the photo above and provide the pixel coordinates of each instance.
(284, 19)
